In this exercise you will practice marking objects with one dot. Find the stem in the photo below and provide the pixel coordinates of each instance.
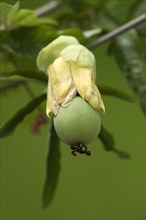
(134, 23)
(41, 11)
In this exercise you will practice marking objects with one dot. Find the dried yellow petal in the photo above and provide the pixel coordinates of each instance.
(63, 87)
(71, 69)
(52, 105)
(85, 85)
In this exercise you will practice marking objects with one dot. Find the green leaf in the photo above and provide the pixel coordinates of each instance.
(10, 84)
(24, 17)
(11, 17)
(138, 8)
(12, 13)
(28, 41)
(129, 55)
(7, 13)
(53, 167)
(106, 21)
(119, 9)
(4, 11)
(117, 93)
(30, 74)
(75, 32)
(109, 143)
(46, 21)
(27, 17)
(8, 127)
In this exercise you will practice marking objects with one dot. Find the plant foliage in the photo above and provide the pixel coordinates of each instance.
(24, 33)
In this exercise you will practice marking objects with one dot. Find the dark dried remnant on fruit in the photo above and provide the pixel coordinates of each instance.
(80, 148)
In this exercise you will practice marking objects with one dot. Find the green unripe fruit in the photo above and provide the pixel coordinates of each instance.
(79, 123)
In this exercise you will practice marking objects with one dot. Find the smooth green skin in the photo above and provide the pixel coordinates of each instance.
(79, 123)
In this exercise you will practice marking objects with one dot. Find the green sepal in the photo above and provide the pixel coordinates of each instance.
(80, 55)
(49, 53)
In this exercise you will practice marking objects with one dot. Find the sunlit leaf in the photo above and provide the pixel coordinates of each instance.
(24, 17)
(7, 12)
(109, 143)
(30, 19)
(12, 13)
(53, 167)
(27, 17)
(4, 10)
(130, 57)
(46, 21)
(8, 127)
(117, 93)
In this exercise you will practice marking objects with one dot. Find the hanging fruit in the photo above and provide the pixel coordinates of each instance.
(72, 96)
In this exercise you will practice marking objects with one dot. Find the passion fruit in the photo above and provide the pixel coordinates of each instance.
(77, 124)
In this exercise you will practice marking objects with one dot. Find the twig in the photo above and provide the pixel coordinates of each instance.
(134, 23)
(43, 10)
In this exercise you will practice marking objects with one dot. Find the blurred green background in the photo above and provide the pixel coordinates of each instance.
(102, 186)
